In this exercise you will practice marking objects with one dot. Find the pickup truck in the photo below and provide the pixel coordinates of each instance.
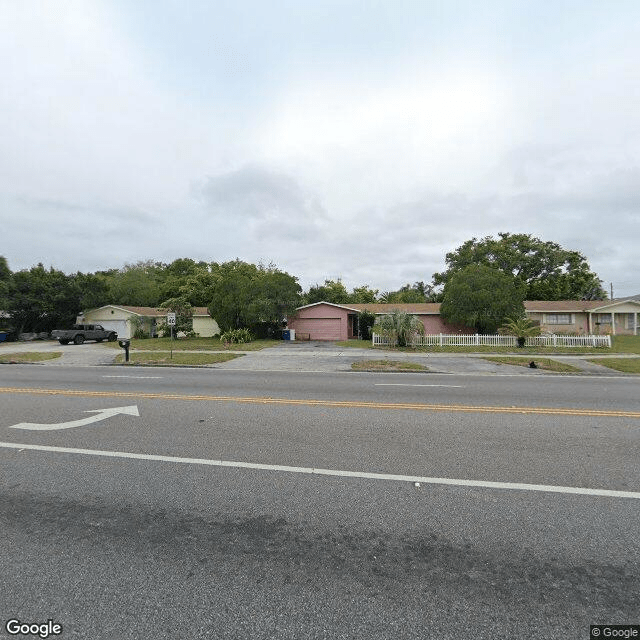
(82, 332)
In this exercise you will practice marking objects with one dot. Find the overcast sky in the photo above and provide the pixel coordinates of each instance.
(361, 139)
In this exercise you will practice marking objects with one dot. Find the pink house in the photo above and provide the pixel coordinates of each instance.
(328, 321)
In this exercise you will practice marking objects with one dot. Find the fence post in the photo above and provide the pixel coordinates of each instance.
(555, 340)
(477, 339)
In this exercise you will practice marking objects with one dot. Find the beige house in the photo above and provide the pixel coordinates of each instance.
(592, 317)
(124, 320)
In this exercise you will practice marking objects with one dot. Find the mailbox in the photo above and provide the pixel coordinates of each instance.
(124, 343)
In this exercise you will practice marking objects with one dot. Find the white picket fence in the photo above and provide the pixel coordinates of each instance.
(477, 340)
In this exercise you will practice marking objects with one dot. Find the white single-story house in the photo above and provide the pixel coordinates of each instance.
(329, 321)
(123, 320)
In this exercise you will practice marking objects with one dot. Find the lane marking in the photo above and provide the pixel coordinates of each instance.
(513, 486)
(138, 377)
(554, 411)
(101, 414)
(404, 384)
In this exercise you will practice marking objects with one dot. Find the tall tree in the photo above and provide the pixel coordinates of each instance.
(137, 284)
(40, 299)
(331, 291)
(545, 269)
(244, 295)
(482, 297)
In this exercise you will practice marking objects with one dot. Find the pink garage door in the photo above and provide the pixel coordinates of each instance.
(319, 328)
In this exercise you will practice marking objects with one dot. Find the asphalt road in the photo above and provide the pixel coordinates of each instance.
(149, 525)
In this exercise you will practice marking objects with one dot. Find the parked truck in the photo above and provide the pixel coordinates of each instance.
(82, 332)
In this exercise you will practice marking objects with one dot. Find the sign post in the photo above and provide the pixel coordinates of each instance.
(171, 321)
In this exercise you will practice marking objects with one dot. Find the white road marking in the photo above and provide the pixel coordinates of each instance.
(137, 377)
(403, 384)
(101, 414)
(514, 486)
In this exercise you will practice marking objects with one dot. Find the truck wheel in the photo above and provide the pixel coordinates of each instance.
(112, 337)
(78, 339)
(63, 341)
(99, 339)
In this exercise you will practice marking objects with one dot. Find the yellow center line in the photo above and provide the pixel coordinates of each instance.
(329, 403)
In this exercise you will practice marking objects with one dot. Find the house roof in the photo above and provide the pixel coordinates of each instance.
(331, 304)
(574, 305)
(151, 311)
(418, 308)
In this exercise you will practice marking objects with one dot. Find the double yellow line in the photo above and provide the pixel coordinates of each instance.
(347, 404)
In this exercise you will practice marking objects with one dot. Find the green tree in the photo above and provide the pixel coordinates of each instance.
(363, 295)
(40, 299)
(331, 291)
(482, 297)
(94, 290)
(136, 284)
(244, 295)
(5, 280)
(399, 327)
(547, 271)
(184, 315)
(366, 320)
(410, 293)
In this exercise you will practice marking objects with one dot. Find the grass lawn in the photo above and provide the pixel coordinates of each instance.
(387, 365)
(620, 344)
(194, 344)
(626, 365)
(543, 363)
(164, 358)
(34, 356)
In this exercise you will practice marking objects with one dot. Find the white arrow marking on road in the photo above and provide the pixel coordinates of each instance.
(101, 414)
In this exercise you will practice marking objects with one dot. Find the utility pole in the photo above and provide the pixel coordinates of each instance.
(611, 285)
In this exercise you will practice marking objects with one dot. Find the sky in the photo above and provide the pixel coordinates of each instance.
(351, 139)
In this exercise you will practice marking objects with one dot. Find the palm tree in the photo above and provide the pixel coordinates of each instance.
(521, 328)
(399, 327)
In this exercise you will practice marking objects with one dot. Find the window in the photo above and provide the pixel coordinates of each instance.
(630, 321)
(559, 318)
(603, 318)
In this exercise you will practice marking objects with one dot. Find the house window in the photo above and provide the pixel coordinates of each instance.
(630, 322)
(603, 318)
(559, 318)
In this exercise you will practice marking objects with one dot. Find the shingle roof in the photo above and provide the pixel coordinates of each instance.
(409, 307)
(153, 311)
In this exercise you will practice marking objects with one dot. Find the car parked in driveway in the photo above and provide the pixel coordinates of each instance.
(82, 332)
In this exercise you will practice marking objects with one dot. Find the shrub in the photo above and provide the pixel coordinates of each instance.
(399, 327)
(236, 336)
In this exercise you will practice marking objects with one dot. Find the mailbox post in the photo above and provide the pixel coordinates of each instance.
(125, 345)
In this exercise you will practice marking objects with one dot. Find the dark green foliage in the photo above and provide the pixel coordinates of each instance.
(184, 315)
(366, 320)
(417, 292)
(40, 299)
(331, 291)
(545, 269)
(482, 297)
(255, 297)
(236, 336)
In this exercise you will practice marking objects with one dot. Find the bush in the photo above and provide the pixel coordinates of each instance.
(236, 336)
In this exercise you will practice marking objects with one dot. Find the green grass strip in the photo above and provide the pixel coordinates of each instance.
(30, 356)
(626, 365)
(164, 358)
(541, 363)
(387, 365)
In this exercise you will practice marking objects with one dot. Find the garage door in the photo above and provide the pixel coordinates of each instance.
(319, 328)
(121, 327)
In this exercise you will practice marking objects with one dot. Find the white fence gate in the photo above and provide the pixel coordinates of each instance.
(477, 340)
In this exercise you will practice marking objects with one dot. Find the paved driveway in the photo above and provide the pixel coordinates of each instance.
(87, 354)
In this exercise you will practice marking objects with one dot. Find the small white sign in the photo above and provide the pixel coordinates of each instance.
(171, 319)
